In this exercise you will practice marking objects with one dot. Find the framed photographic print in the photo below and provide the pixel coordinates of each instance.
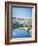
(20, 22)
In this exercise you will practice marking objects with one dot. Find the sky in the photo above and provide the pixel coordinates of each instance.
(22, 12)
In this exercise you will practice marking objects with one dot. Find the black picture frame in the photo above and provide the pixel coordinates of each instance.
(7, 39)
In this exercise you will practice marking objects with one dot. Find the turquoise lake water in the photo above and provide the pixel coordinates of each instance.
(19, 33)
